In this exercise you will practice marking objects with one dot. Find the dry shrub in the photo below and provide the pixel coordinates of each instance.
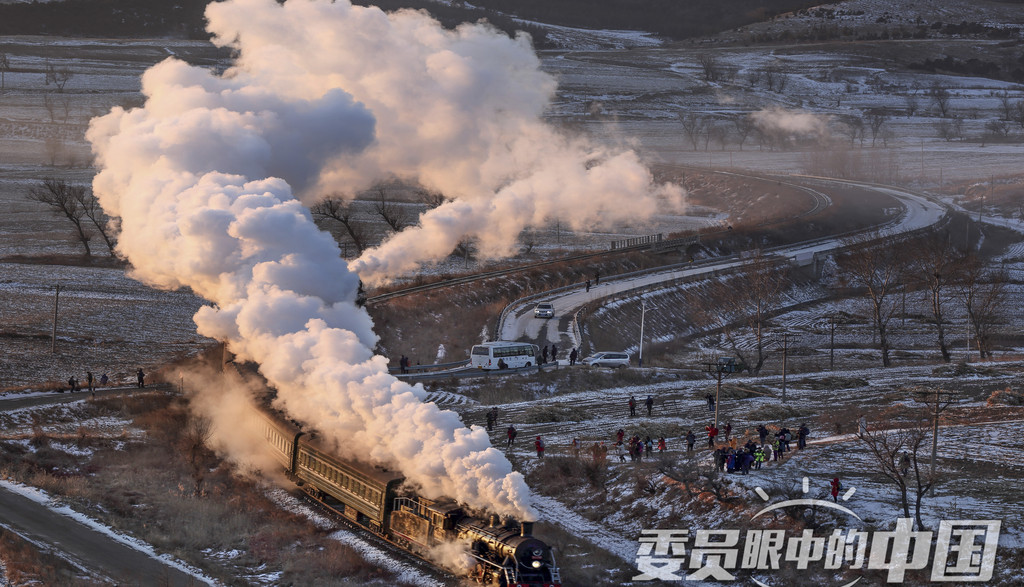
(556, 475)
(554, 413)
(332, 559)
(1006, 397)
(39, 437)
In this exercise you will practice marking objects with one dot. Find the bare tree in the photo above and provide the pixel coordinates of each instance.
(66, 200)
(940, 97)
(712, 70)
(744, 126)
(983, 293)
(877, 118)
(335, 208)
(747, 301)
(431, 198)
(94, 212)
(58, 75)
(879, 268)
(1007, 105)
(196, 434)
(393, 214)
(5, 66)
(899, 455)
(936, 265)
(693, 127)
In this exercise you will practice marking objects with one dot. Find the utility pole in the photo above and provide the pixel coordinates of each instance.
(785, 353)
(832, 343)
(643, 313)
(53, 336)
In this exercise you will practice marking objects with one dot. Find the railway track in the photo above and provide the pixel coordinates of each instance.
(820, 201)
(394, 550)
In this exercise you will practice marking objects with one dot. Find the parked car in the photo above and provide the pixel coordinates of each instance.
(544, 310)
(607, 359)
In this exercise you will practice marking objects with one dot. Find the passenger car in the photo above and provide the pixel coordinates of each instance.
(544, 310)
(607, 359)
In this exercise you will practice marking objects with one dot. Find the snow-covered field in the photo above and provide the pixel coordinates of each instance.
(619, 87)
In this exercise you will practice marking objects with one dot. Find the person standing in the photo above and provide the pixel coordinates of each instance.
(554, 354)
(619, 435)
(140, 378)
(728, 430)
(632, 406)
(490, 421)
(712, 431)
(661, 444)
(711, 402)
(89, 382)
(588, 285)
(762, 432)
(544, 354)
(835, 487)
(539, 445)
(597, 278)
(691, 439)
(573, 356)
(801, 436)
(650, 404)
(511, 432)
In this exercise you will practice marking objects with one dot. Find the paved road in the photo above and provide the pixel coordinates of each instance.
(99, 556)
(918, 213)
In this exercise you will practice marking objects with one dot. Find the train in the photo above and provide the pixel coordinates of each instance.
(504, 552)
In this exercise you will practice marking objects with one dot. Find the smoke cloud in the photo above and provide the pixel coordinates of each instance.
(210, 175)
(790, 122)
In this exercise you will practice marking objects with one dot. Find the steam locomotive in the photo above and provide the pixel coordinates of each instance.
(504, 554)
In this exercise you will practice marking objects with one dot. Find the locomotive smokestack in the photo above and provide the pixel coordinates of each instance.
(526, 529)
(495, 520)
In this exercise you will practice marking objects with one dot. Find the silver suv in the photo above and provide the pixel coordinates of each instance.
(544, 310)
(607, 359)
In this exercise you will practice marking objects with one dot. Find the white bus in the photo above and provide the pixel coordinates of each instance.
(502, 354)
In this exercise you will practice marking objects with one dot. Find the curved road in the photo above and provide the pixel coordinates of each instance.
(918, 213)
(99, 556)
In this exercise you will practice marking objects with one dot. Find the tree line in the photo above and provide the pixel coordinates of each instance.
(885, 271)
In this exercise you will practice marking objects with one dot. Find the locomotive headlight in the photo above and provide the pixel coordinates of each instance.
(536, 564)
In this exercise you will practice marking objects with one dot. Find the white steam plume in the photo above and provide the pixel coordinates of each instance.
(457, 111)
(791, 122)
(205, 178)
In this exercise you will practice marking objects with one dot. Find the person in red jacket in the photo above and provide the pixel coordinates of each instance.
(540, 447)
(836, 486)
(712, 433)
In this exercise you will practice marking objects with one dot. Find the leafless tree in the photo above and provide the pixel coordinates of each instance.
(431, 198)
(1006, 104)
(997, 130)
(393, 214)
(196, 434)
(66, 200)
(336, 208)
(94, 212)
(878, 267)
(936, 265)
(876, 119)
(709, 64)
(940, 97)
(58, 75)
(983, 293)
(718, 133)
(743, 305)
(693, 127)
(900, 455)
(5, 66)
(1017, 113)
(853, 127)
(744, 126)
